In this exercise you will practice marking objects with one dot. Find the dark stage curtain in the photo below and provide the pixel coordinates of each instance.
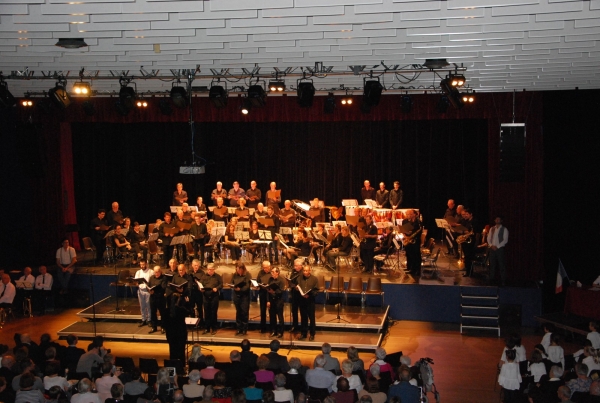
(309, 154)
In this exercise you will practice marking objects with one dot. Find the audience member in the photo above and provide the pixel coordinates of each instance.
(27, 393)
(280, 392)
(236, 371)
(294, 379)
(137, 386)
(53, 379)
(85, 394)
(342, 393)
(403, 389)
(582, 382)
(105, 382)
(331, 363)
(353, 380)
(247, 356)
(193, 390)
(372, 391)
(88, 361)
(251, 391)
(318, 377)
(277, 363)
(263, 375)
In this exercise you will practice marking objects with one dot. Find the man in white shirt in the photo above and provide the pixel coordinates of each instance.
(143, 292)
(7, 292)
(28, 279)
(66, 257)
(497, 239)
(43, 287)
(24, 290)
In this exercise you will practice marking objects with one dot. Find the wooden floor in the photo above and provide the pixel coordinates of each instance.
(457, 357)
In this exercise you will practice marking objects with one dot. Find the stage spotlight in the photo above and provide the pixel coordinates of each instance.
(141, 103)
(89, 108)
(442, 105)
(456, 80)
(329, 105)
(306, 93)
(121, 108)
(468, 98)
(165, 107)
(246, 106)
(276, 86)
(179, 97)
(7, 99)
(27, 102)
(372, 92)
(407, 103)
(81, 88)
(218, 96)
(127, 96)
(346, 101)
(452, 93)
(256, 96)
(59, 94)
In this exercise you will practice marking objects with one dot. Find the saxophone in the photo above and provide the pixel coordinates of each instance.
(466, 237)
(407, 240)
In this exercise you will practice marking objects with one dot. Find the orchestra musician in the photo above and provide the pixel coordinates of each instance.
(450, 216)
(114, 216)
(263, 277)
(302, 247)
(273, 201)
(387, 243)
(139, 246)
(212, 283)
(308, 285)
(293, 282)
(242, 212)
(276, 286)
(122, 244)
(413, 249)
(260, 211)
(253, 235)
(343, 249)
(126, 227)
(218, 192)
(187, 212)
(318, 214)
(177, 329)
(143, 293)
(241, 298)
(497, 238)
(458, 220)
(220, 212)
(200, 206)
(199, 232)
(319, 244)
(335, 240)
(368, 243)
(209, 247)
(367, 192)
(469, 247)
(180, 222)
(180, 196)
(253, 195)
(274, 229)
(166, 237)
(231, 242)
(99, 227)
(396, 196)
(235, 194)
(382, 197)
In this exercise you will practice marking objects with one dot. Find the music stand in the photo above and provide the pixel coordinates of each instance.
(338, 317)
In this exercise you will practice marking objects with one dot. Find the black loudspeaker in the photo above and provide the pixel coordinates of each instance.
(509, 315)
(512, 152)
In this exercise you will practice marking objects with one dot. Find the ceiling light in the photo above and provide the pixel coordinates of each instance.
(469, 98)
(179, 96)
(59, 94)
(218, 96)
(346, 101)
(452, 93)
(256, 96)
(457, 80)
(71, 43)
(7, 99)
(372, 92)
(329, 105)
(81, 88)
(435, 63)
(141, 103)
(27, 102)
(276, 86)
(306, 93)
(246, 106)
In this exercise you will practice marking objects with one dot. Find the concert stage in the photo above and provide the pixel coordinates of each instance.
(365, 327)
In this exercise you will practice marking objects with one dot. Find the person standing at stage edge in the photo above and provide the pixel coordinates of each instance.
(308, 285)
(412, 248)
(497, 239)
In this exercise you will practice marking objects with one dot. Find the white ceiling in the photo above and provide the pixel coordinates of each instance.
(505, 44)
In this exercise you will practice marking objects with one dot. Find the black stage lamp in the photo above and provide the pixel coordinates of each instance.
(82, 88)
(59, 94)
(256, 96)
(218, 96)
(127, 96)
(407, 103)
(456, 80)
(372, 92)
(442, 105)
(89, 108)
(452, 93)
(165, 107)
(306, 93)
(329, 104)
(7, 99)
(179, 97)
(276, 86)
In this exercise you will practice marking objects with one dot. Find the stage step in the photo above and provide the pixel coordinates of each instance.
(479, 309)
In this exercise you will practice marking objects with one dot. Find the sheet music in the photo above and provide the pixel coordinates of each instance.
(265, 234)
(219, 224)
(142, 227)
(285, 230)
(211, 208)
(342, 223)
(218, 231)
(153, 236)
(231, 210)
(349, 202)
(243, 235)
(174, 209)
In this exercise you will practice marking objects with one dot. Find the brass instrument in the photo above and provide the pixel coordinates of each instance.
(466, 237)
(410, 239)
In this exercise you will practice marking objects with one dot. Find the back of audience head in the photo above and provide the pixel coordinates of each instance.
(220, 378)
(564, 392)
(208, 393)
(27, 380)
(295, 363)
(235, 355)
(342, 384)
(372, 385)
(536, 356)
(581, 369)
(84, 385)
(268, 396)
(352, 353)
(209, 360)
(116, 391)
(301, 398)
(178, 396)
(347, 366)
(375, 370)
(320, 361)
(280, 380)
(380, 353)
(366, 399)
(194, 376)
(246, 345)
(238, 396)
(52, 368)
(136, 373)
(262, 362)
(404, 373)
(511, 355)
(326, 348)
(274, 345)
(556, 371)
(555, 338)
(405, 360)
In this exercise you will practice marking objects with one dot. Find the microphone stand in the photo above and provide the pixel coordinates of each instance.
(338, 317)
(117, 309)
(292, 346)
(93, 300)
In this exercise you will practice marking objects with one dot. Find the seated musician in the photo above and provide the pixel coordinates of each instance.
(232, 243)
(25, 290)
(7, 292)
(200, 206)
(242, 212)
(122, 244)
(344, 249)
(274, 229)
(187, 212)
(319, 244)
(126, 227)
(387, 244)
(137, 239)
(220, 212)
(208, 246)
(302, 247)
(253, 235)
(335, 240)
(260, 211)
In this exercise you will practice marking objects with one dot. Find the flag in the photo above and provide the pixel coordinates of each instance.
(561, 274)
